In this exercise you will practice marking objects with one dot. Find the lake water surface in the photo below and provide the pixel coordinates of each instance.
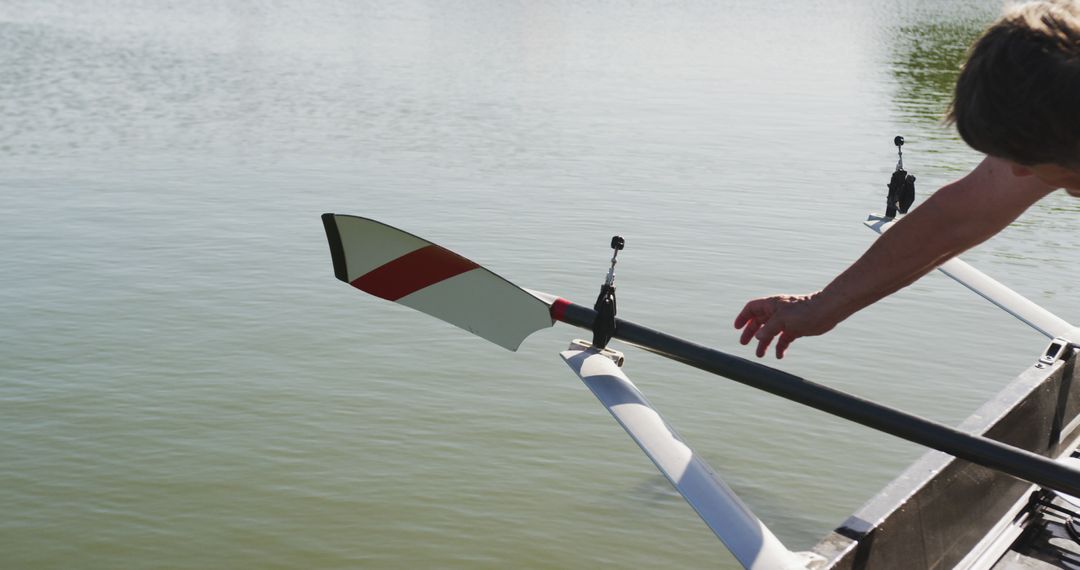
(184, 384)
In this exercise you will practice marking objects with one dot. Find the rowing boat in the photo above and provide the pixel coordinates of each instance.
(995, 492)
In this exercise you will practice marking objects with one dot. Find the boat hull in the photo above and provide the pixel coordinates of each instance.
(943, 512)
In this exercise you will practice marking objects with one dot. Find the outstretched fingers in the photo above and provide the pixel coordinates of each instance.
(748, 333)
(748, 321)
(745, 316)
(782, 344)
(782, 318)
(765, 335)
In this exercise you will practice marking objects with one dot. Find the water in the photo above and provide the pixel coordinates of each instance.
(185, 385)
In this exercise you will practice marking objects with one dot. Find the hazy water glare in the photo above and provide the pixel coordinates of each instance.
(185, 385)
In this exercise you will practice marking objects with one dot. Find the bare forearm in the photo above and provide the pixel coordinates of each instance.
(913, 247)
(956, 218)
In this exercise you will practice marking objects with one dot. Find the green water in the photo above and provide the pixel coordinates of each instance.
(183, 383)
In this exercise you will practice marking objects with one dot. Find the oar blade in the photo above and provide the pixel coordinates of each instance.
(398, 266)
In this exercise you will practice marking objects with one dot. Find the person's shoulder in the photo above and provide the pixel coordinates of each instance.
(1009, 175)
(998, 184)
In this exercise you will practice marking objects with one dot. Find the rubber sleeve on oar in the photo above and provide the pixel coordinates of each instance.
(558, 309)
(337, 251)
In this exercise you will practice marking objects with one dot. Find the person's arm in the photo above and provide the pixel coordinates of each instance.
(957, 217)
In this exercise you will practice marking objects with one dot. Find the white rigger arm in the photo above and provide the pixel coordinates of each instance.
(752, 543)
(997, 293)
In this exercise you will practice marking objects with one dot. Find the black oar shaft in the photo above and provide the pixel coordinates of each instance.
(976, 449)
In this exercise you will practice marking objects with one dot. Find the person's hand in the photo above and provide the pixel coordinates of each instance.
(789, 316)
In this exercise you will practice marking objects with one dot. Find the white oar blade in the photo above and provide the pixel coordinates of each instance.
(400, 267)
(994, 291)
(752, 543)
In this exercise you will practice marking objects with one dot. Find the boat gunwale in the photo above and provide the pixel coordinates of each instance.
(916, 521)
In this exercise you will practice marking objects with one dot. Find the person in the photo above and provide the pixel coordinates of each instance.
(1017, 99)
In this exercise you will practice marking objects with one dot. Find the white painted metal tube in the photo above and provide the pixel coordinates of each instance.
(1010, 301)
(1024, 309)
(752, 543)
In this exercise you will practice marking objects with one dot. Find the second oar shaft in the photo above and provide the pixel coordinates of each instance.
(976, 449)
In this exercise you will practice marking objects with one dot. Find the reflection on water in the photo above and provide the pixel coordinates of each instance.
(184, 380)
(927, 59)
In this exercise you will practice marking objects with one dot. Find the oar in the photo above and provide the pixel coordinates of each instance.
(392, 264)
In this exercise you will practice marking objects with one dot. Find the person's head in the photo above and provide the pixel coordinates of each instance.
(1018, 94)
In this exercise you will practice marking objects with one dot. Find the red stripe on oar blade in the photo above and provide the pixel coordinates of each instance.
(413, 272)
